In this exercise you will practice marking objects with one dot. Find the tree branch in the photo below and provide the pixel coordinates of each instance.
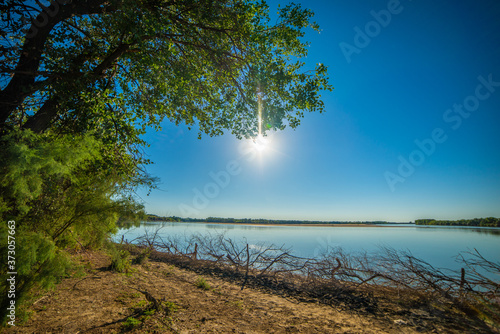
(40, 121)
(29, 61)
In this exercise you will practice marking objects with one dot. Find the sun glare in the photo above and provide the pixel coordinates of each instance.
(260, 143)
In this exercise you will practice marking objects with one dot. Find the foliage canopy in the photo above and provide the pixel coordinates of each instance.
(119, 66)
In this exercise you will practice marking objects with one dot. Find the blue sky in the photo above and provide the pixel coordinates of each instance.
(406, 81)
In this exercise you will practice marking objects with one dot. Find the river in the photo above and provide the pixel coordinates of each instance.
(437, 245)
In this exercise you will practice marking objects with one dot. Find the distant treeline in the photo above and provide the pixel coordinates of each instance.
(484, 222)
(252, 221)
(155, 218)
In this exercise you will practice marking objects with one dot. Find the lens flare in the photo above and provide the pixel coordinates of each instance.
(260, 143)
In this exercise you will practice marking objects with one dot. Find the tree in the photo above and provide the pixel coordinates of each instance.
(81, 81)
(116, 67)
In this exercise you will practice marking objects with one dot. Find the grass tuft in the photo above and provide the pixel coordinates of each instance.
(202, 284)
(131, 323)
(169, 307)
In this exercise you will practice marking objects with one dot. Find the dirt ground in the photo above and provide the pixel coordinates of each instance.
(104, 301)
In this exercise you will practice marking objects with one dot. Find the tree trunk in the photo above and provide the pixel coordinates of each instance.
(20, 86)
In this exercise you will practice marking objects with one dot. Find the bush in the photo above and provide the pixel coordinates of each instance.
(120, 261)
(170, 307)
(202, 284)
(143, 257)
(64, 191)
(39, 265)
(131, 323)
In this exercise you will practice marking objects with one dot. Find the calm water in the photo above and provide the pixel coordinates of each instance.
(437, 245)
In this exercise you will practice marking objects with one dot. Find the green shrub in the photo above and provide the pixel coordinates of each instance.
(131, 323)
(150, 312)
(39, 265)
(202, 284)
(169, 307)
(143, 257)
(63, 190)
(120, 261)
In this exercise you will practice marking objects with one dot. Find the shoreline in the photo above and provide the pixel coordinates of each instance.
(298, 224)
(214, 301)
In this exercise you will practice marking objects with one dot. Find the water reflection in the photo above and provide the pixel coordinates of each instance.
(471, 229)
(438, 245)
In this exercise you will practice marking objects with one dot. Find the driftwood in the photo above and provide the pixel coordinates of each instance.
(275, 267)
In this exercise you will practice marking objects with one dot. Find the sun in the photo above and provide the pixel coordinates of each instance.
(260, 143)
(260, 148)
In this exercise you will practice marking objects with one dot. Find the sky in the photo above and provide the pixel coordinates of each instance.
(410, 131)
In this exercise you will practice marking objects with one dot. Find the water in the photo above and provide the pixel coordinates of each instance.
(437, 245)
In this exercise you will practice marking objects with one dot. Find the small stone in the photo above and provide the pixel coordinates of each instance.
(399, 322)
